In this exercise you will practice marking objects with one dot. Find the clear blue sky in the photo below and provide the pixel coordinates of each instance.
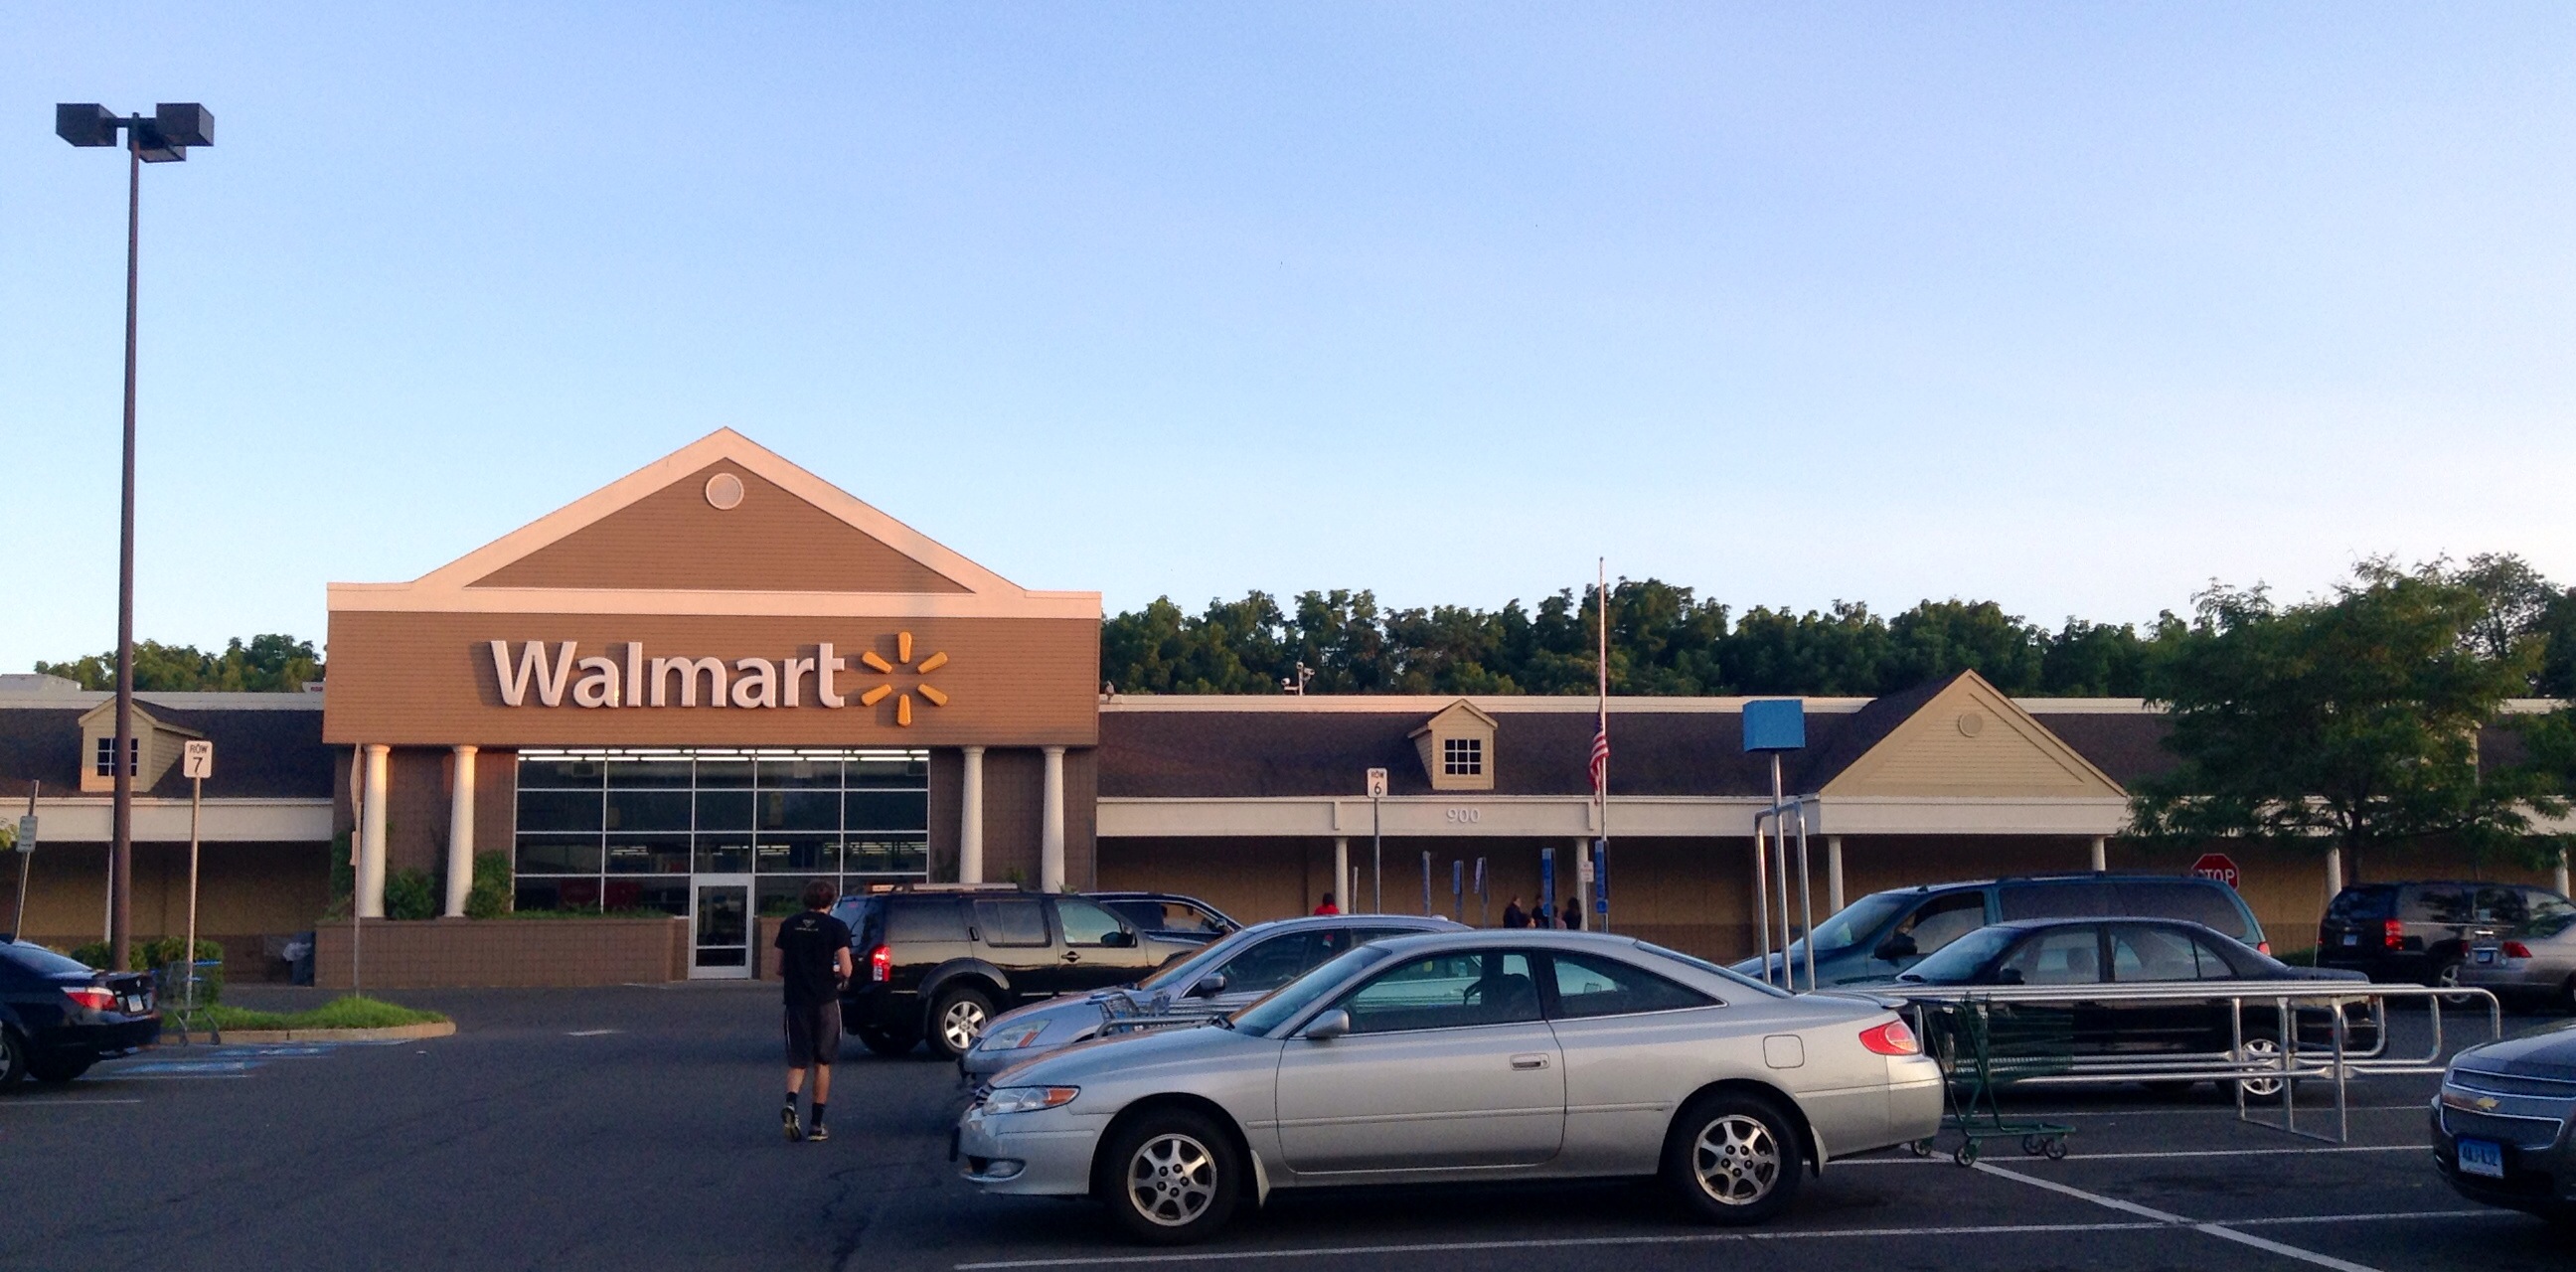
(2073, 307)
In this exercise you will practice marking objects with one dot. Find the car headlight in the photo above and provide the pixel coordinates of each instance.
(1028, 1099)
(1013, 1037)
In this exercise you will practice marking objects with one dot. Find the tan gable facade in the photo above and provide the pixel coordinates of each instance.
(1971, 741)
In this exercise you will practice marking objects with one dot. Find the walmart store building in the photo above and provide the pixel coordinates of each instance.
(690, 692)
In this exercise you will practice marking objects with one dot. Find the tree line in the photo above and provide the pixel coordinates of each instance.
(266, 664)
(1666, 640)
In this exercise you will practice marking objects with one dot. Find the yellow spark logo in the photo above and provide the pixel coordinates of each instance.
(876, 662)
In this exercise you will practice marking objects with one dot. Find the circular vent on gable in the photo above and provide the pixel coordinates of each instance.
(724, 492)
(1971, 723)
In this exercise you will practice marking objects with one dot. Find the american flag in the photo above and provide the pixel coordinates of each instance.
(1601, 761)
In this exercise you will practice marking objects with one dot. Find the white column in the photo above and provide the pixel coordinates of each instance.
(2334, 873)
(1051, 824)
(2558, 876)
(1342, 873)
(970, 817)
(460, 833)
(2101, 855)
(371, 837)
(1834, 873)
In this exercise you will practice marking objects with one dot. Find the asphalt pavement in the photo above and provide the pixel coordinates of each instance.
(637, 1127)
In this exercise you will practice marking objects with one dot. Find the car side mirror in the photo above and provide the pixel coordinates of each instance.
(1209, 986)
(1894, 948)
(1119, 940)
(1332, 1024)
(2008, 976)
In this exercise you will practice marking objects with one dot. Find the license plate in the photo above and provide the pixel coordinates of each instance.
(2352, 938)
(2486, 958)
(2482, 1157)
(133, 1006)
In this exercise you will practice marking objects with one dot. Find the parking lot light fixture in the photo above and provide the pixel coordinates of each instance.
(164, 137)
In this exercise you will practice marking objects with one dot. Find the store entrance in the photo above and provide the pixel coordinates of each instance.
(720, 927)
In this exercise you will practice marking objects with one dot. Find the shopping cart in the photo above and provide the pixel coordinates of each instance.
(1983, 1046)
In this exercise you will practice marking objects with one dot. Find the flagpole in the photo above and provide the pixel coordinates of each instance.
(1601, 787)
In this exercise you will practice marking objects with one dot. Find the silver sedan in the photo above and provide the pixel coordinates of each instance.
(1464, 1056)
(2532, 963)
(1229, 974)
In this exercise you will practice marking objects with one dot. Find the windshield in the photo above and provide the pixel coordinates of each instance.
(1858, 921)
(42, 961)
(1960, 959)
(1704, 965)
(1281, 1005)
(1186, 968)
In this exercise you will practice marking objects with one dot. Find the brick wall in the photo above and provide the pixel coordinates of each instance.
(505, 952)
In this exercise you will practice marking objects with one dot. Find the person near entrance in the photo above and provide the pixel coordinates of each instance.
(1328, 907)
(1513, 915)
(814, 963)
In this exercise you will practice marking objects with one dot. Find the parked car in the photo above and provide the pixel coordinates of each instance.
(58, 1016)
(1217, 980)
(2078, 952)
(938, 963)
(1464, 1056)
(2419, 932)
(1168, 916)
(2532, 963)
(2500, 1123)
(1884, 933)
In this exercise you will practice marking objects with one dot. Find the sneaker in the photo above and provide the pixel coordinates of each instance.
(818, 1134)
(787, 1118)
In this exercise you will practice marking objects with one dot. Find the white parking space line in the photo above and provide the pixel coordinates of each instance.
(2218, 1230)
(24, 1103)
(2490, 1212)
(1543, 1243)
(575, 1033)
(1943, 1159)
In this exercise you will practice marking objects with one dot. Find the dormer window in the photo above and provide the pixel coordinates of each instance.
(1457, 748)
(1462, 757)
(103, 764)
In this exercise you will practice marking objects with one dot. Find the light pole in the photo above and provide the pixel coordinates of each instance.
(163, 138)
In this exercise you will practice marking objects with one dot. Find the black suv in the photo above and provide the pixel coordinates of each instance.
(2418, 931)
(939, 963)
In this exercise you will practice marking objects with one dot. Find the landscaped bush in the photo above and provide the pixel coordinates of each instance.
(157, 954)
(490, 897)
(408, 895)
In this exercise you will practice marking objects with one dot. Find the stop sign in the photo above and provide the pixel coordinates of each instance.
(2216, 865)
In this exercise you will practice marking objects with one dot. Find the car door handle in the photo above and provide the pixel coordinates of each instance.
(1529, 1062)
(1073, 956)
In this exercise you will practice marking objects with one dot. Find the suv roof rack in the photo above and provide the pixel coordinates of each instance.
(880, 889)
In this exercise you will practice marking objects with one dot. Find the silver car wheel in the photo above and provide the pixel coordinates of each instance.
(1736, 1159)
(962, 1024)
(2261, 1051)
(1171, 1180)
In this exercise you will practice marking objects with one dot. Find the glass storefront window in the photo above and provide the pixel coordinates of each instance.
(624, 830)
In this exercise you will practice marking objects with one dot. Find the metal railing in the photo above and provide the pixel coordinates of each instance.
(2319, 1006)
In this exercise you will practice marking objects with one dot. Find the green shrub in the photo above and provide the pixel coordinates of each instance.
(490, 897)
(94, 954)
(408, 895)
(159, 954)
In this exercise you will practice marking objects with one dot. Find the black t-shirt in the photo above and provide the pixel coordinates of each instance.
(808, 943)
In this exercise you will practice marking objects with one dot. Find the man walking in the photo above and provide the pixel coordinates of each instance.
(814, 962)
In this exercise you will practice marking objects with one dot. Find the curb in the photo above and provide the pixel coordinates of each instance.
(397, 1033)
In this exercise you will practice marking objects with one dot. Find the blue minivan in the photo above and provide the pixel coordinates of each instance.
(1884, 933)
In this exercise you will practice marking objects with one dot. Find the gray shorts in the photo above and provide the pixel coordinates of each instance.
(813, 1034)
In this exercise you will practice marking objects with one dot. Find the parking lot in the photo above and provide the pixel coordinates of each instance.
(637, 1127)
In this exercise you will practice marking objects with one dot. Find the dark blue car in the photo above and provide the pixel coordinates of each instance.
(58, 1017)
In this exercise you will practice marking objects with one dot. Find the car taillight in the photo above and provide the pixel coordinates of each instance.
(2516, 949)
(2262, 947)
(881, 963)
(94, 997)
(1891, 1039)
(2393, 935)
